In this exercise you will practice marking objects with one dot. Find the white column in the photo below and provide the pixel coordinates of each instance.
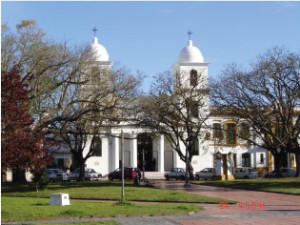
(104, 160)
(133, 147)
(116, 152)
(253, 159)
(161, 153)
(219, 167)
(230, 164)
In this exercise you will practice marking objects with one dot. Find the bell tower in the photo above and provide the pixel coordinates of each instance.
(98, 69)
(191, 72)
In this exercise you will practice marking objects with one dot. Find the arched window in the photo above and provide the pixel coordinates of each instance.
(231, 133)
(193, 78)
(97, 146)
(244, 131)
(217, 131)
(95, 74)
(262, 158)
(195, 109)
(246, 160)
(192, 107)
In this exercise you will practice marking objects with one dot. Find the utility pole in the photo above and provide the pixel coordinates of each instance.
(122, 166)
(187, 184)
(144, 164)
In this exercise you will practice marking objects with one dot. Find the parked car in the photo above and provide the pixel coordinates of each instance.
(89, 174)
(206, 174)
(245, 173)
(55, 175)
(286, 172)
(129, 173)
(176, 173)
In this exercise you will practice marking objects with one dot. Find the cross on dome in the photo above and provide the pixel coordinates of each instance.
(95, 30)
(190, 34)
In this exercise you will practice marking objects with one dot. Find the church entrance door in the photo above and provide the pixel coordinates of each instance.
(145, 152)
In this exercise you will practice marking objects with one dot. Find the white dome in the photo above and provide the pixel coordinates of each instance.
(190, 54)
(98, 51)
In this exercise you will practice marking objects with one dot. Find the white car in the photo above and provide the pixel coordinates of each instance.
(206, 174)
(89, 174)
(245, 173)
(176, 173)
(54, 175)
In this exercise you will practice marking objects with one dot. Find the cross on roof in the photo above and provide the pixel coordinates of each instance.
(95, 30)
(190, 34)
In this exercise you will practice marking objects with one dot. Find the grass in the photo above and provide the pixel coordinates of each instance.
(108, 222)
(27, 209)
(278, 185)
(107, 191)
(20, 202)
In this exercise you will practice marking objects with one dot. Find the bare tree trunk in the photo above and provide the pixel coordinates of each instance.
(191, 170)
(278, 164)
(81, 172)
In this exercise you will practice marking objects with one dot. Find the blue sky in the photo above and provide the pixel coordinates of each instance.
(148, 36)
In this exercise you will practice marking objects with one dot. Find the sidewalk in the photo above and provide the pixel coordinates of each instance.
(252, 208)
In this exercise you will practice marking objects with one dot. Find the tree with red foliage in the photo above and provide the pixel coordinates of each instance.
(21, 149)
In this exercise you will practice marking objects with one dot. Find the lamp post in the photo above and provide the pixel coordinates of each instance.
(122, 167)
(144, 164)
(142, 145)
(187, 184)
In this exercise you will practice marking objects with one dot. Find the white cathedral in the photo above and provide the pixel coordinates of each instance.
(158, 153)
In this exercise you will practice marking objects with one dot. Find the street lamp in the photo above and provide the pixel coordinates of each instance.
(144, 163)
(142, 144)
(187, 184)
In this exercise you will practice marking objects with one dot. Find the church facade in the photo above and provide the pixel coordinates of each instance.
(143, 145)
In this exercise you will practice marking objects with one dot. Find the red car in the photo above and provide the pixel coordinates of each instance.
(129, 173)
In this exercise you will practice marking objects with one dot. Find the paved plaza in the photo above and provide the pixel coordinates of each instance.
(252, 208)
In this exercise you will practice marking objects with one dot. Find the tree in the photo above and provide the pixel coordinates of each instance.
(21, 149)
(48, 70)
(109, 97)
(76, 135)
(61, 87)
(178, 111)
(268, 98)
(51, 71)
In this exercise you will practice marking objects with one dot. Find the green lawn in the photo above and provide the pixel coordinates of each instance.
(108, 222)
(20, 202)
(107, 191)
(279, 185)
(27, 209)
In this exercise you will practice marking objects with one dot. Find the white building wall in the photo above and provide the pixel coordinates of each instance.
(203, 160)
(99, 163)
